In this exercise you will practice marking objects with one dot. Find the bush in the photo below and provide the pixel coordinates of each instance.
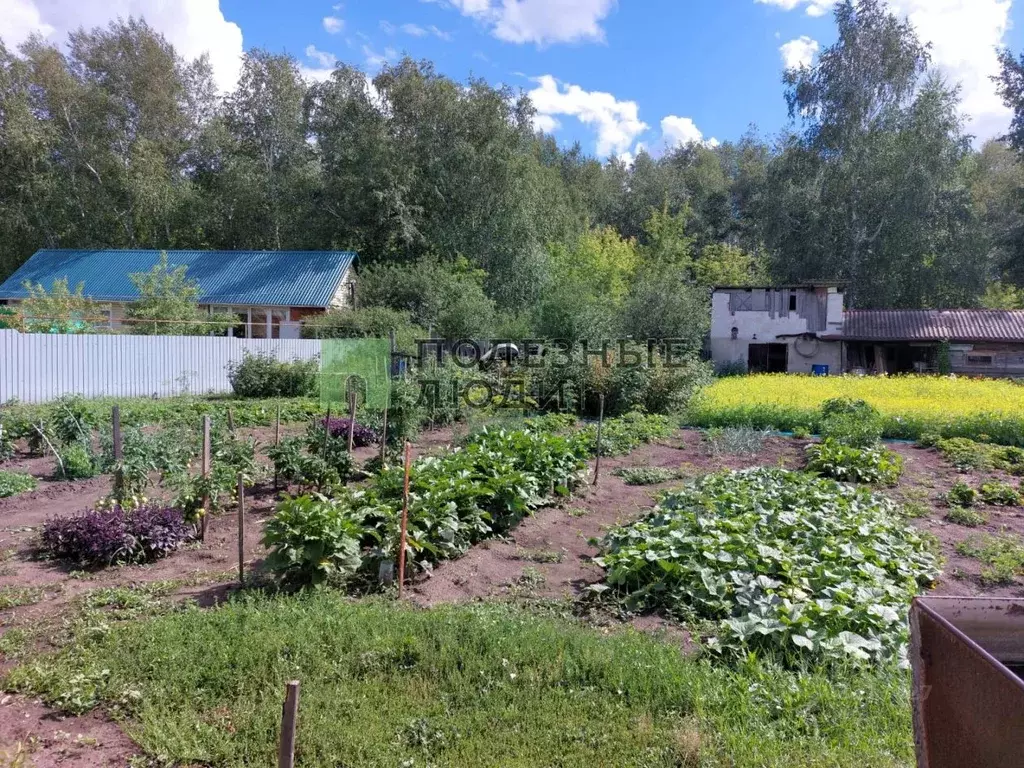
(998, 494)
(620, 436)
(365, 323)
(264, 376)
(966, 517)
(851, 422)
(79, 463)
(313, 539)
(961, 495)
(734, 441)
(70, 420)
(801, 432)
(855, 465)
(107, 536)
(786, 563)
(13, 483)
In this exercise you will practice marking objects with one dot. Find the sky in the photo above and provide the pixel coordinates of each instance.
(615, 76)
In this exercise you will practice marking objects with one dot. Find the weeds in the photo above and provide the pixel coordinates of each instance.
(646, 475)
(1002, 554)
(734, 441)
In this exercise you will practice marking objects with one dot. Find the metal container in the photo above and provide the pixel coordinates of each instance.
(967, 656)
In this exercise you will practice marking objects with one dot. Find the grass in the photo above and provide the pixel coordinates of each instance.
(540, 555)
(13, 483)
(966, 517)
(1002, 554)
(488, 685)
(646, 475)
(911, 406)
(13, 597)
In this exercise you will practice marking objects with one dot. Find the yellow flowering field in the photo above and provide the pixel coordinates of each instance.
(911, 405)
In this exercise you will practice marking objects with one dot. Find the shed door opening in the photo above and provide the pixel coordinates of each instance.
(767, 358)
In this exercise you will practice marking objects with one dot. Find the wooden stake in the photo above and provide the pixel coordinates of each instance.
(241, 530)
(405, 520)
(600, 422)
(115, 417)
(327, 430)
(351, 419)
(206, 475)
(384, 439)
(289, 721)
(277, 441)
(231, 420)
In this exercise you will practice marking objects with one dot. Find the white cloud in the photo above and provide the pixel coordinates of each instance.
(440, 34)
(546, 123)
(323, 58)
(387, 27)
(193, 27)
(964, 35)
(333, 24)
(415, 30)
(617, 122)
(539, 21)
(678, 131)
(799, 53)
(376, 60)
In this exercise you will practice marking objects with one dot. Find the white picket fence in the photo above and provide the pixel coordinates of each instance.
(37, 367)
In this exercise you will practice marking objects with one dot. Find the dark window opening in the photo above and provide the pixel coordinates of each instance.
(735, 333)
(980, 359)
(792, 303)
(767, 358)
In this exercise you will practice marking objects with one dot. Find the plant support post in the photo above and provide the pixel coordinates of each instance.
(351, 419)
(289, 721)
(405, 519)
(206, 476)
(277, 441)
(600, 423)
(115, 426)
(384, 439)
(327, 430)
(241, 530)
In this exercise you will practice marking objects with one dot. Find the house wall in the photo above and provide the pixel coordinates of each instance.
(344, 296)
(987, 359)
(763, 316)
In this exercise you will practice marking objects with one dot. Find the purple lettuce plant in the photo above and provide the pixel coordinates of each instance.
(361, 435)
(100, 537)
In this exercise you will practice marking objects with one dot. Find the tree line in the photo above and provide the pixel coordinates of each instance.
(467, 219)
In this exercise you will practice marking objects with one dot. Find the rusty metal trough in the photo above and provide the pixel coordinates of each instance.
(967, 656)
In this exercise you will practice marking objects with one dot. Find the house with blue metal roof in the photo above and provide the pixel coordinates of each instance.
(270, 291)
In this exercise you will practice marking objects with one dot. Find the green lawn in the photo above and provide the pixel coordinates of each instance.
(486, 685)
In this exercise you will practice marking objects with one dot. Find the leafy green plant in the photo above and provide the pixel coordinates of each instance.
(856, 465)
(621, 435)
(966, 455)
(13, 483)
(801, 432)
(735, 441)
(961, 495)
(646, 475)
(851, 422)
(78, 462)
(1002, 554)
(786, 563)
(999, 494)
(966, 517)
(928, 440)
(313, 540)
(263, 375)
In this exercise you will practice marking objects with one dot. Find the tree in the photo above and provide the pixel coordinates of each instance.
(168, 305)
(59, 310)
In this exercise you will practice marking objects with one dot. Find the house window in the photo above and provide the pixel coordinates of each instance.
(792, 303)
(735, 333)
(979, 359)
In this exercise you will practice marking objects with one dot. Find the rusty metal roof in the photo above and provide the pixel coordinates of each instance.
(933, 325)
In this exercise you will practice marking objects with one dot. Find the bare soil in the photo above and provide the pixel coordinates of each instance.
(547, 556)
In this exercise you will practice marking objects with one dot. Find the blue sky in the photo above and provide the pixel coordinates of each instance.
(615, 76)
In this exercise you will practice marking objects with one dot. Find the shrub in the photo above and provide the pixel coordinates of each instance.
(731, 368)
(313, 539)
(786, 563)
(735, 441)
(966, 517)
(1008, 458)
(961, 495)
(928, 440)
(78, 462)
(13, 483)
(361, 434)
(70, 420)
(851, 422)
(365, 322)
(107, 536)
(801, 432)
(646, 475)
(1003, 556)
(998, 494)
(6, 443)
(856, 465)
(964, 454)
(621, 435)
(265, 376)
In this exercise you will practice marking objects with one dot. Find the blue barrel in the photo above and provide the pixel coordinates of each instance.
(819, 370)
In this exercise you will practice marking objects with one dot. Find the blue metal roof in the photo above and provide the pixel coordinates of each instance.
(261, 278)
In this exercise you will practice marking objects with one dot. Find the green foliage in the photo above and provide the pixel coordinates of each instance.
(60, 310)
(928, 440)
(168, 304)
(944, 361)
(70, 421)
(264, 376)
(373, 672)
(313, 540)
(13, 483)
(999, 494)
(78, 463)
(966, 517)
(365, 322)
(961, 495)
(966, 455)
(621, 435)
(853, 423)
(838, 461)
(734, 441)
(789, 566)
(14, 597)
(1002, 554)
(646, 475)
